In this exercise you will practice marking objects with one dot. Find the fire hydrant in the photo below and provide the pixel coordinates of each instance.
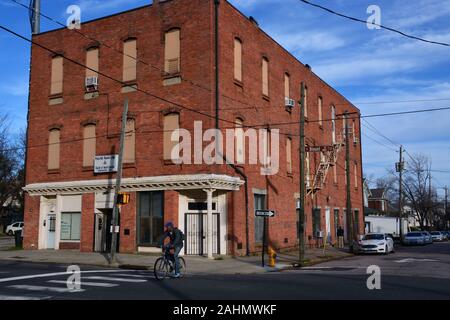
(272, 257)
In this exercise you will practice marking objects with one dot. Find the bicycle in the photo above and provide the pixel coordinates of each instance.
(164, 266)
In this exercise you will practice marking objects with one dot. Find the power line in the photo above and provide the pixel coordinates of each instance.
(380, 143)
(373, 129)
(375, 24)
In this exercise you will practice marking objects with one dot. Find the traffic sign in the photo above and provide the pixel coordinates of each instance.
(265, 213)
(318, 148)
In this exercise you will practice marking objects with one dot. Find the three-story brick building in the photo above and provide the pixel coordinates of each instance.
(163, 58)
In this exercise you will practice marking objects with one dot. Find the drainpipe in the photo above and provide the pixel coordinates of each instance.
(217, 102)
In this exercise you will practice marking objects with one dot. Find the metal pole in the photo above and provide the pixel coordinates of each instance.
(400, 193)
(446, 208)
(36, 14)
(115, 217)
(264, 240)
(301, 211)
(347, 168)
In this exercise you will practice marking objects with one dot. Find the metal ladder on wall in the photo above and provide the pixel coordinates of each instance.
(329, 160)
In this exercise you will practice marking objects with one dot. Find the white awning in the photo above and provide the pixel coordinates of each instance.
(159, 183)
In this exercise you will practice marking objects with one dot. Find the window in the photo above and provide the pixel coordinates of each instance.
(289, 155)
(129, 148)
(316, 222)
(356, 222)
(335, 178)
(89, 144)
(306, 102)
(260, 204)
(171, 135)
(150, 217)
(92, 62)
(129, 60)
(337, 221)
(356, 174)
(307, 172)
(70, 226)
(319, 110)
(238, 59)
(172, 52)
(53, 149)
(333, 124)
(201, 206)
(57, 75)
(265, 77)
(239, 135)
(287, 85)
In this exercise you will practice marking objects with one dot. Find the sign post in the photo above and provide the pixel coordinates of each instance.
(264, 214)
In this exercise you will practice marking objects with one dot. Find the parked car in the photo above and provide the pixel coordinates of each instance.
(437, 236)
(414, 238)
(428, 237)
(445, 235)
(376, 243)
(13, 228)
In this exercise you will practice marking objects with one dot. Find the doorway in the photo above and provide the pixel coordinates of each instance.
(51, 231)
(196, 242)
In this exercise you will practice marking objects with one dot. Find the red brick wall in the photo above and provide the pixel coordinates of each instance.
(87, 222)
(195, 18)
(128, 221)
(31, 222)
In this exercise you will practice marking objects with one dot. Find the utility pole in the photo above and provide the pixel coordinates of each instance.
(349, 195)
(301, 211)
(400, 168)
(36, 17)
(447, 218)
(115, 217)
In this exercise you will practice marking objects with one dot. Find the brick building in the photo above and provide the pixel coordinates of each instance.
(162, 57)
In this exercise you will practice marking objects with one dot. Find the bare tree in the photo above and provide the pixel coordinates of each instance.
(417, 189)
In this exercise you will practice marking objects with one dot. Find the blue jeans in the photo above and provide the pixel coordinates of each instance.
(175, 258)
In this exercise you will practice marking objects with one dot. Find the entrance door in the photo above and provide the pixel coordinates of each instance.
(196, 242)
(51, 228)
(327, 224)
(100, 232)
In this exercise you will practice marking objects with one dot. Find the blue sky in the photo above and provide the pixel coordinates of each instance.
(365, 65)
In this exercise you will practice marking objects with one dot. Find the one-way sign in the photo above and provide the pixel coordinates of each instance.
(265, 213)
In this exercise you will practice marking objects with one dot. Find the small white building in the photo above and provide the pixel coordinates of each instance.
(384, 224)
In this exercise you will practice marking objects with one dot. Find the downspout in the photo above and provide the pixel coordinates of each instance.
(217, 104)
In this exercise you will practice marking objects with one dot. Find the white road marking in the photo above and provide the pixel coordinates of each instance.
(135, 276)
(44, 275)
(415, 260)
(42, 288)
(114, 279)
(5, 297)
(88, 284)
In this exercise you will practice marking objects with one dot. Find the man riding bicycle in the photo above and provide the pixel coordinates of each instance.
(175, 244)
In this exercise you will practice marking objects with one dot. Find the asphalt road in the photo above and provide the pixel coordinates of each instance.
(410, 273)
(6, 242)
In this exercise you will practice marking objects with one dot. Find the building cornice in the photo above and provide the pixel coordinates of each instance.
(159, 183)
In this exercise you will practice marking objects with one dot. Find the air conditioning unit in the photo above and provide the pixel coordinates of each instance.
(290, 103)
(91, 82)
(319, 234)
(355, 140)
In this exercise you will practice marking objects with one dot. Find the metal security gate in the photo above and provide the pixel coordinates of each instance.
(196, 242)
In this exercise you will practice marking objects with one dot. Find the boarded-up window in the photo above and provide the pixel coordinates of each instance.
(335, 179)
(356, 175)
(238, 59)
(289, 154)
(89, 144)
(129, 148)
(129, 60)
(265, 77)
(319, 110)
(57, 75)
(92, 62)
(333, 124)
(53, 149)
(172, 52)
(171, 135)
(240, 155)
(307, 172)
(287, 84)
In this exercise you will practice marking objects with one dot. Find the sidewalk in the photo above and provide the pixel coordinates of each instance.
(195, 265)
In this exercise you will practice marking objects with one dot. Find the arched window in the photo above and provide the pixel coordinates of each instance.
(129, 60)
(265, 76)
(54, 149)
(172, 52)
(238, 59)
(89, 145)
(57, 75)
(129, 148)
(171, 139)
(289, 155)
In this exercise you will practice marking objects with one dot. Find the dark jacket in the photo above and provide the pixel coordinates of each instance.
(176, 238)
(340, 232)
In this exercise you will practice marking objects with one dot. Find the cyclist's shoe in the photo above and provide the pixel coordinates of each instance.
(177, 275)
(170, 269)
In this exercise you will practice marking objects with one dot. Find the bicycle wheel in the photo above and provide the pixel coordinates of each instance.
(182, 267)
(160, 269)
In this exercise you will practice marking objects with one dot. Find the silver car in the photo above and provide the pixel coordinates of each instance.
(437, 236)
(428, 237)
(414, 238)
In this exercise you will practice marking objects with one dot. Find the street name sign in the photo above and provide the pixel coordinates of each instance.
(318, 148)
(265, 213)
(106, 164)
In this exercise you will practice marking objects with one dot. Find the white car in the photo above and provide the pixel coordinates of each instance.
(12, 228)
(437, 236)
(376, 243)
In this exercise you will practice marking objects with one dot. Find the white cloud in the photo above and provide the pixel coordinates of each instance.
(310, 41)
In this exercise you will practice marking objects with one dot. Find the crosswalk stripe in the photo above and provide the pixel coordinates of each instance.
(135, 276)
(42, 288)
(115, 279)
(6, 297)
(88, 284)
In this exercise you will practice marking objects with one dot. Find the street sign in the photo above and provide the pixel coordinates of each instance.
(106, 164)
(265, 213)
(318, 148)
